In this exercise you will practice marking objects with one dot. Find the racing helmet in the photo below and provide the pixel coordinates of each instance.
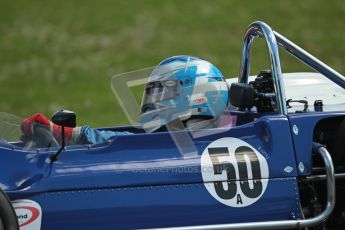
(181, 87)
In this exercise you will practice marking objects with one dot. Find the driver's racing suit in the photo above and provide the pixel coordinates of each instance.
(87, 135)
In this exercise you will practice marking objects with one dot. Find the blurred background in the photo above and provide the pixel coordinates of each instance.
(62, 54)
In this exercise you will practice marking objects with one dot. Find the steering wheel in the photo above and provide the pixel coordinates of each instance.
(41, 138)
(7, 214)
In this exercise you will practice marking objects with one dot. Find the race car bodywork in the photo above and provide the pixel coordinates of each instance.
(257, 171)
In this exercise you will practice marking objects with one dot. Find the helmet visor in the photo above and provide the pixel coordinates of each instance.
(158, 91)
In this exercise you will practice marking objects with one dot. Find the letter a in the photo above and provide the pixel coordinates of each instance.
(239, 199)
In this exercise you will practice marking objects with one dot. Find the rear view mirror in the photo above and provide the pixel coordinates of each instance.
(65, 118)
(242, 95)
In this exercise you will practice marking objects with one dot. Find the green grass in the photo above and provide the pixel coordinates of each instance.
(62, 54)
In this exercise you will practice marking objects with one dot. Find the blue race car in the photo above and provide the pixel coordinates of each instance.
(277, 162)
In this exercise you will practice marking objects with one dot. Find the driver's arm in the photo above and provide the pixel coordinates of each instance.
(77, 135)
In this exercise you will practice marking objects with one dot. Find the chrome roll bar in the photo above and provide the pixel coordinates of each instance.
(273, 39)
(284, 224)
(310, 60)
(261, 29)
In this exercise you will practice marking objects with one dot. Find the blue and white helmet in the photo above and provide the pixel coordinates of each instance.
(181, 87)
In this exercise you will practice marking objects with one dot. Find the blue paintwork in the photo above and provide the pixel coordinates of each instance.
(142, 181)
(159, 206)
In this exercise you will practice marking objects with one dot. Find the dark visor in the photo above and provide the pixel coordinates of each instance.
(158, 91)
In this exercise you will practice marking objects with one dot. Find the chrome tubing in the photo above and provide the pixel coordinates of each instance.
(309, 60)
(261, 29)
(323, 177)
(284, 224)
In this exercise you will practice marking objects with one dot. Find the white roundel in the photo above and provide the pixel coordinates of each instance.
(29, 214)
(234, 172)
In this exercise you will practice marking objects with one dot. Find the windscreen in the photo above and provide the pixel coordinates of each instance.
(10, 127)
(11, 133)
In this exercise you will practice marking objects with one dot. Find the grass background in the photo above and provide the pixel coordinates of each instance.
(62, 54)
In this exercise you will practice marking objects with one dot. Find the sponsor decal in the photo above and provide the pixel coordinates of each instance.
(200, 100)
(29, 214)
(234, 172)
(197, 99)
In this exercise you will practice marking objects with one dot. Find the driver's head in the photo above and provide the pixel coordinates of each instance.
(181, 88)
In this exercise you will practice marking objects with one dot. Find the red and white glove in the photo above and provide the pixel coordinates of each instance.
(27, 127)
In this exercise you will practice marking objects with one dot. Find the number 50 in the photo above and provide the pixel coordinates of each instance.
(220, 165)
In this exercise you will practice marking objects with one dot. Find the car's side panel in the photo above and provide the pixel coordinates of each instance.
(160, 206)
